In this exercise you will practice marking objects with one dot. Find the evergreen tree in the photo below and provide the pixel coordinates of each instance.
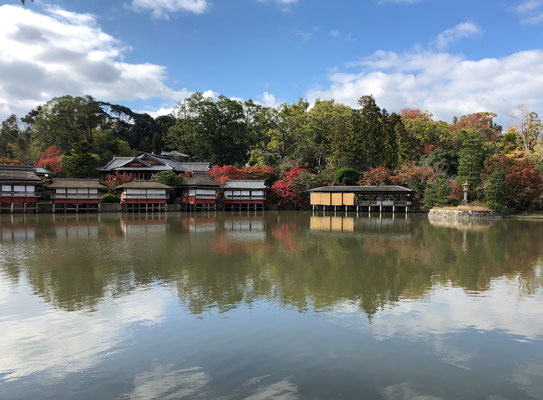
(169, 178)
(81, 163)
(471, 163)
(157, 143)
(346, 176)
(496, 190)
(437, 194)
(369, 133)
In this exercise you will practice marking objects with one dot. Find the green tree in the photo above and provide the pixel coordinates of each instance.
(407, 144)
(346, 176)
(471, 163)
(288, 123)
(369, 133)
(438, 193)
(219, 129)
(80, 163)
(157, 143)
(496, 190)
(64, 121)
(169, 178)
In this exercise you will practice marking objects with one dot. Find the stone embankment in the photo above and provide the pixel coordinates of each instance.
(454, 215)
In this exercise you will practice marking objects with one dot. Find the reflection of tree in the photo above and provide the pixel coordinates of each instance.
(220, 266)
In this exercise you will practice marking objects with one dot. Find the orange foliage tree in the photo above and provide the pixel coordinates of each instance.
(50, 159)
(117, 179)
(9, 161)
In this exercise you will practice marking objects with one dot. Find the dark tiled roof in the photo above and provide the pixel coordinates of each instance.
(245, 184)
(166, 164)
(200, 179)
(144, 185)
(360, 189)
(18, 174)
(76, 183)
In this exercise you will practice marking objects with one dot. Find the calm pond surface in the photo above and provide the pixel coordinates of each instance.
(272, 305)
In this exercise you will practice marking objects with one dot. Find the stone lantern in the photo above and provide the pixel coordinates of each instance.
(465, 187)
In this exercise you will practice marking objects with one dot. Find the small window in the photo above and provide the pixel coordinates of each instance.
(30, 189)
(61, 191)
(6, 188)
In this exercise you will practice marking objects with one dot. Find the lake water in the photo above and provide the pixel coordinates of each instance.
(272, 305)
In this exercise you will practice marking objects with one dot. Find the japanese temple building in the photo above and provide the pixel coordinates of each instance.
(19, 189)
(199, 192)
(76, 195)
(363, 198)
(148, 165)
(245, 194)
(144, 196)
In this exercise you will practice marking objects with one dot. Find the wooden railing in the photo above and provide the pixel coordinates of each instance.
(18, 194)
(384, 203)
(78, 196)
(245, 198)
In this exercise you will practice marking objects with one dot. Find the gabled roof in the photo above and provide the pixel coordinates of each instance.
(174, 153)
(200, 179)
(164, 164)
(144, 185)
(245, 184)
(76, 183)
(361, 189)
(19, 174)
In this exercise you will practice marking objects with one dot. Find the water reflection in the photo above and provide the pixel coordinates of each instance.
(77, 291)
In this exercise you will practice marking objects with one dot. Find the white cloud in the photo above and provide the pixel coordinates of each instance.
(460, 31)
(269, 100)
(59, 52)
(530, 11)
(163, 8)
(440, 82)
(305, 35)
(335, 33)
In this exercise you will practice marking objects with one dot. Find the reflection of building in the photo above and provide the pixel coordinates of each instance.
(18, 189)
(245, 228)
(17, 231)
(199, 192)
(199, 224)
(361, 226)
(75, 194)
(246, 194)
(378, 198)
(76, 229)
(147, 166)
(144, 226)
(332, 224)
(144, 196)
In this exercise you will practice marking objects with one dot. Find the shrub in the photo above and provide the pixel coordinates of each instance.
(346, 176)
(169, 178)
(110, 198)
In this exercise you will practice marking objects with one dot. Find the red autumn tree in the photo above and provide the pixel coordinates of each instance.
(413, 113)
(285, 193)
(379, 176)
(10, 161)
(221, 174)
(117, 179)
(50, 159)
(414, 177)
(525, 187)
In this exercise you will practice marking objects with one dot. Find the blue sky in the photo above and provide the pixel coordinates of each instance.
(450, 57)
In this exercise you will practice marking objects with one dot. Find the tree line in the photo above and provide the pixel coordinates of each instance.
(305, 145)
